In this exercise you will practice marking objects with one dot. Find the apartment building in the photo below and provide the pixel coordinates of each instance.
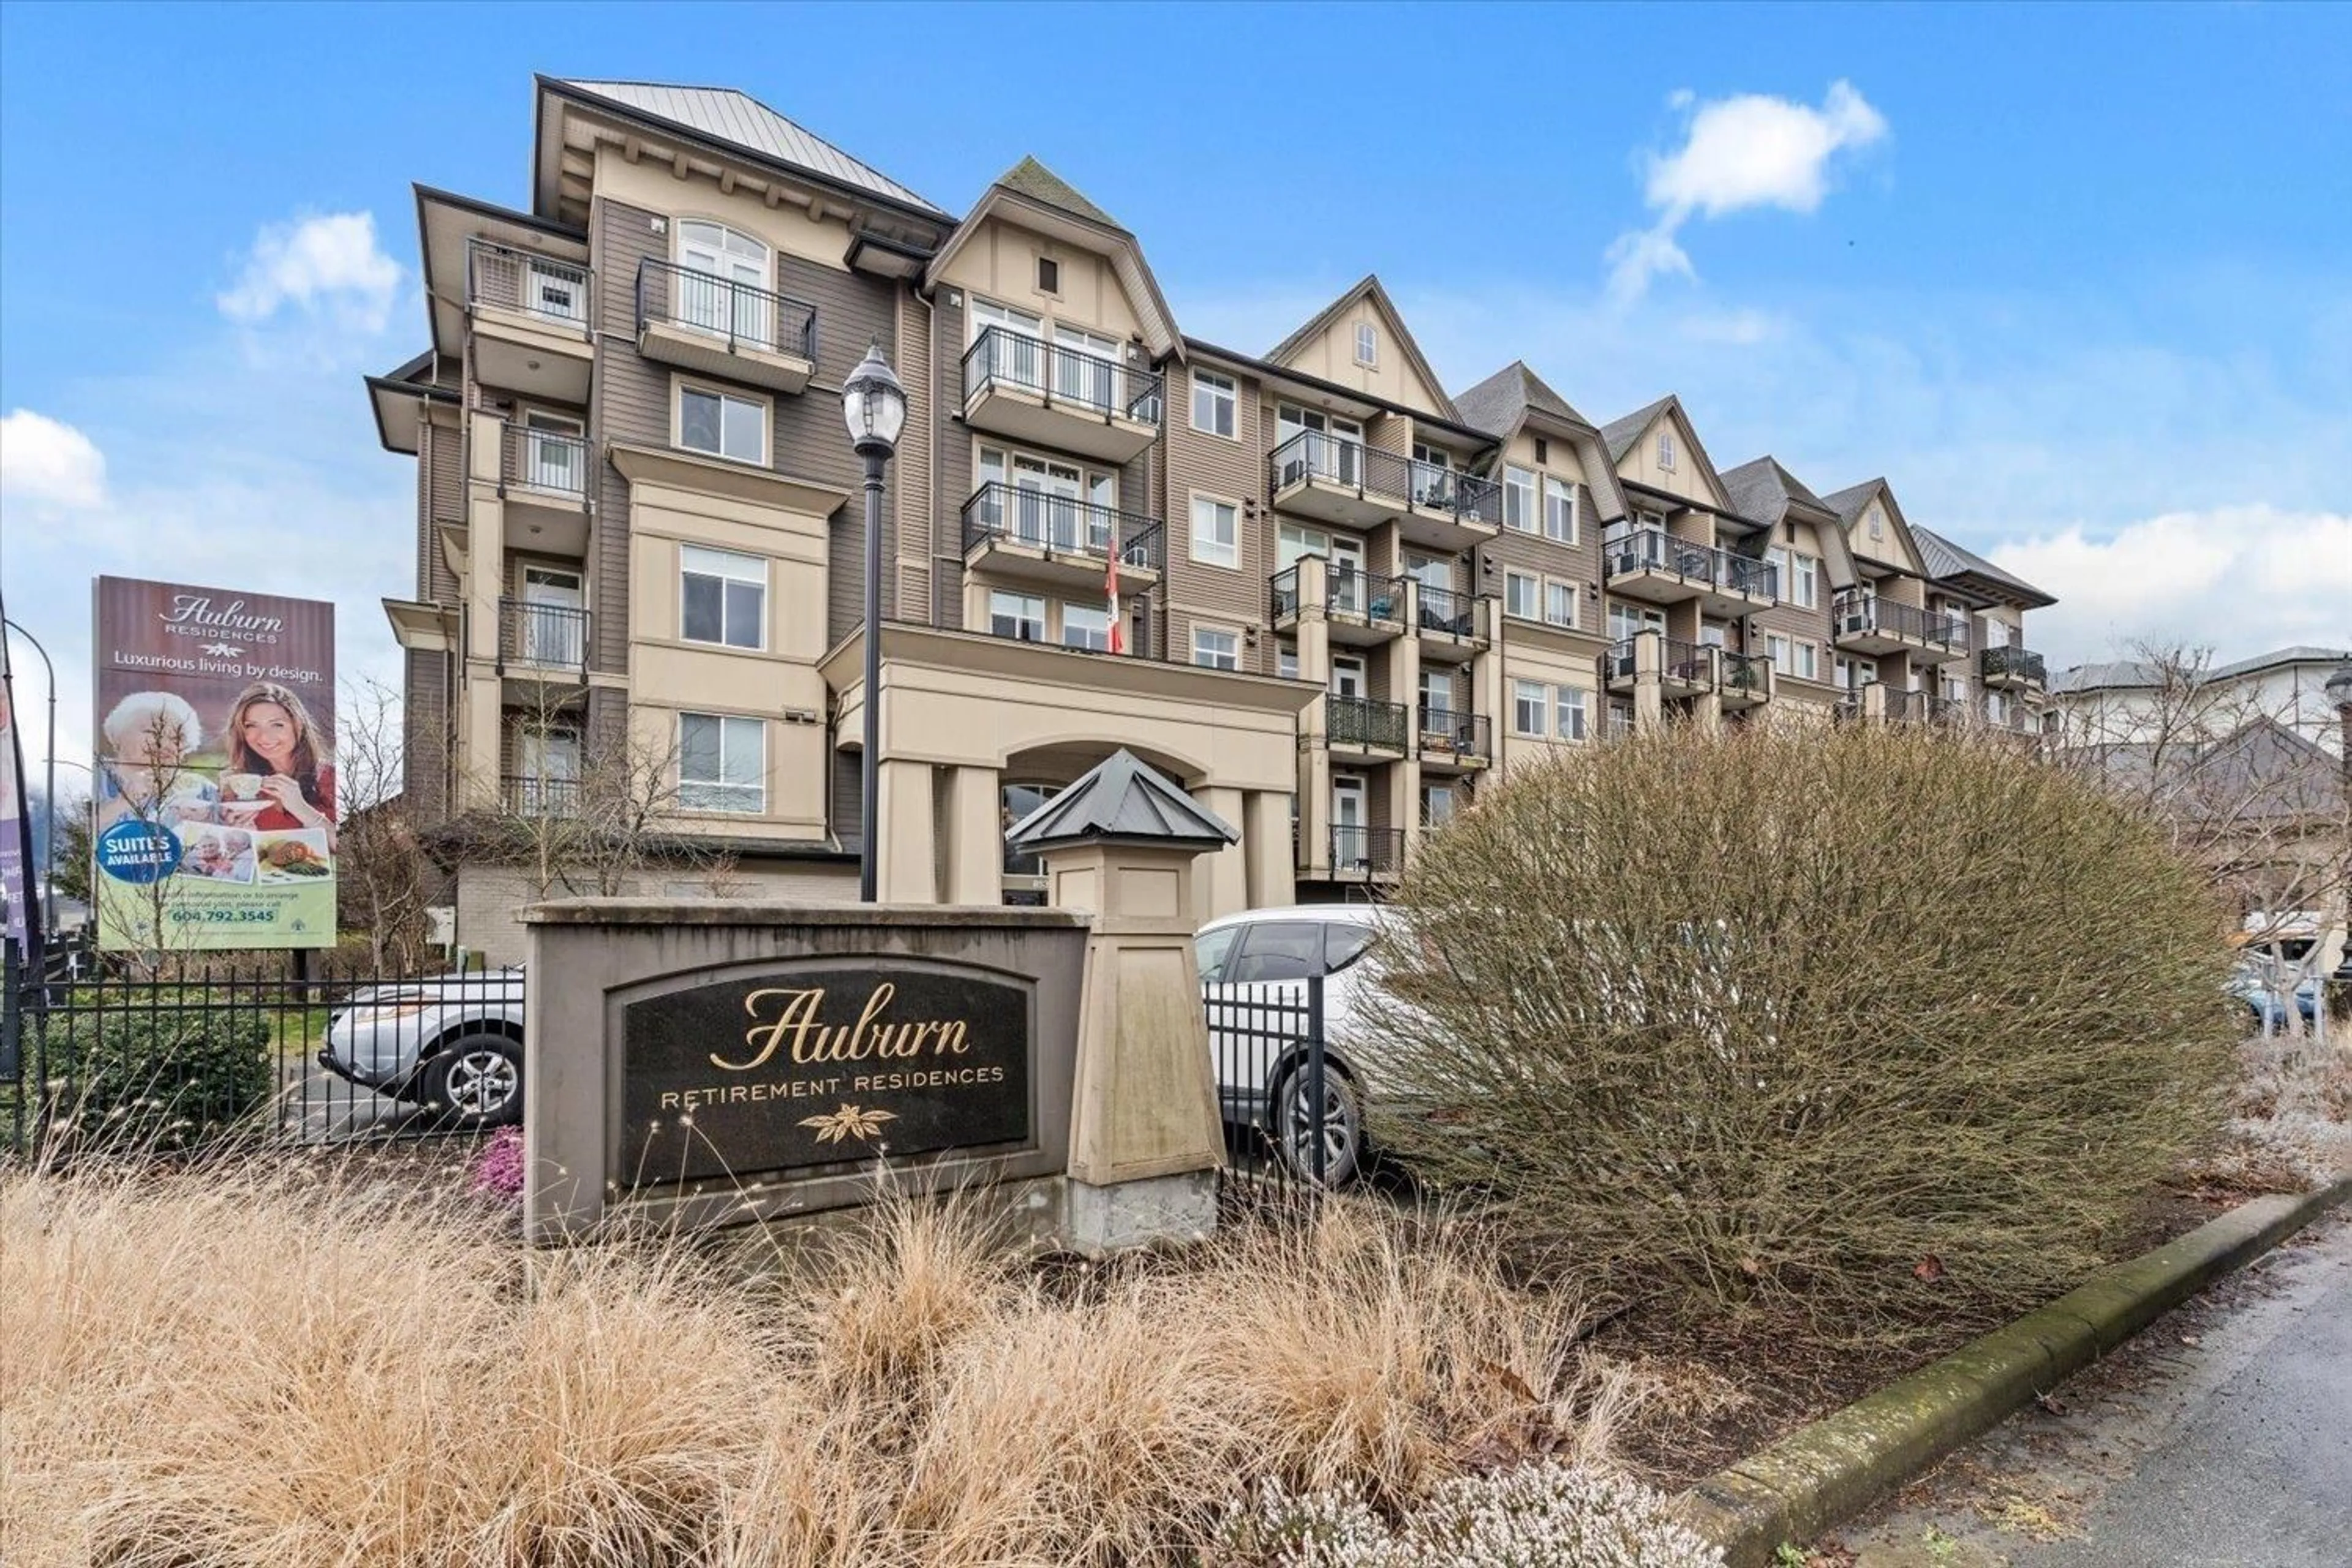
(1324, 595)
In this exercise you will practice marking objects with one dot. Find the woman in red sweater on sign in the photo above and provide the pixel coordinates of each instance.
(273, 750)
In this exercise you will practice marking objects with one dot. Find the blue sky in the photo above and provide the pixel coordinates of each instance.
(2078, 280)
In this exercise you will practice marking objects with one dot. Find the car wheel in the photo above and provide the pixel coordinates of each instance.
(1340, 1125)
(476, 1081)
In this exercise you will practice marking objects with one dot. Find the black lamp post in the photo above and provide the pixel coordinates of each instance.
(874, 405)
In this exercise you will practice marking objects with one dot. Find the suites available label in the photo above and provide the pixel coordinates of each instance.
(818, 1066)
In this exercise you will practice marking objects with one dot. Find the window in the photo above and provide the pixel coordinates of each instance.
(1997, 708)
(1436, 804)
(1807, 666)
(1083, 626)
(1437, 696)
(1803, 580)
(1543, 450)
(1216, 648)
(1792, 657)
(1214, 402)
(1568, 710)
(1877, 522)
(1560, 510)
(1629, 621)
(1285, 661)
(1621, 720)
(721, 764)
(1209, 951)
(1368, 343)
(1520, 594)
(1777, 647)
(1049, 275)
(1665, 448)
(722, 424)
(1216, 532)
(723, 597)
(723, 283)
(1519, 500)
(1019, 616)
(1853, 674)
(1559, 603)
(1279, 950)
(1528, 701)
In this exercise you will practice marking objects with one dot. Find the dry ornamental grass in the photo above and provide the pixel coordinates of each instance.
(268, 1369)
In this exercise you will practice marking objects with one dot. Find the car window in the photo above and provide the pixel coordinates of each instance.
(1343, 944)
(1280, 950)
(1209, 951)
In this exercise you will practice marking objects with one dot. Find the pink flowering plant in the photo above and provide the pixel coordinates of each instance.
(497, 1169)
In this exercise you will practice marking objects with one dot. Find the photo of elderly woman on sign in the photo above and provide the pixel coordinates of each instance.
(145, 769)
(278, 774)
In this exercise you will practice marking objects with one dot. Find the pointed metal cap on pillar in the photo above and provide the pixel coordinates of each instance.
(1121, 801)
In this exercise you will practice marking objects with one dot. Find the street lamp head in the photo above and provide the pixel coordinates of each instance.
(874, 405)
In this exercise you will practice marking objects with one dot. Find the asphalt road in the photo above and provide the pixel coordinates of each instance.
(2220, 1438)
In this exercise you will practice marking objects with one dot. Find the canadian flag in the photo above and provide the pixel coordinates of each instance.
(1117, 629)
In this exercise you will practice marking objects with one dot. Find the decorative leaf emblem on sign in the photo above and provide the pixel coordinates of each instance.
(848, 1122)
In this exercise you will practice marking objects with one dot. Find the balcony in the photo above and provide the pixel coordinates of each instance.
(1454, 742)
(1367, 854)
(1365, 725)
(1862, 621)
(1058, 540)
(1453, 625)
(1030, 390)
(543, 479)
(533, 795)
(1743, 680)
(530, 320)
(1320, 476)
(2012, 669)
(700, 321)
(1358, 609)
(1948, 710)
(546, 645)
(1900, 707)
(1684, 668)
(1652, 564)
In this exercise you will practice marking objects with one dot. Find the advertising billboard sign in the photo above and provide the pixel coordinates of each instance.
(217, 813)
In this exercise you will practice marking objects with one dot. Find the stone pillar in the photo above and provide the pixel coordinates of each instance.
(976, 838)
(1313, 627)
(1265, 840)
(1146, 1137)
(907, 872)
(1221, 879)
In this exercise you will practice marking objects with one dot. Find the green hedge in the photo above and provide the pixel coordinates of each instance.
(167, 1079)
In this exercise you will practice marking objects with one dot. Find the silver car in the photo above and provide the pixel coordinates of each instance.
(452, 1042)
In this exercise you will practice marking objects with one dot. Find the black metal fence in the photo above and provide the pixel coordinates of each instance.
(172, 1055)
(1293, 1119)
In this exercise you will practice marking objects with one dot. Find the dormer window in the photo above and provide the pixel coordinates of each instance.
(1665, 448)
(1368, 343)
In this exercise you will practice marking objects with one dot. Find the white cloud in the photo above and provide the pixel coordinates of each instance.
(1742, 153)
(2236, 579)
(325, 265)
(42, 460)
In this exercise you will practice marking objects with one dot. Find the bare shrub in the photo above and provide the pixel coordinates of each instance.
(2290, 1129)
(245, 1367)
(1866, 1025)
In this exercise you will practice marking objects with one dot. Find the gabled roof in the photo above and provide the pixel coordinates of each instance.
(722, 114)
(1120, 798)
(1039, 184)
(1501, 401)
(1622, 433)
(1042, 200)
(1851, 503)
(1323, 321)
(1763, 489)
(2137, 673)
(1947, 562)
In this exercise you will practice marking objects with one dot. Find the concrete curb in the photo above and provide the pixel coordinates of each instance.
(1820, 1477)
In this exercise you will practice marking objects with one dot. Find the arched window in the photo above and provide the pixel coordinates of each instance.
(735, 298)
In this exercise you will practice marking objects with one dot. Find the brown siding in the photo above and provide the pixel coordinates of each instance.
(913, 506)
(951, 445)
(841, 812)
(425, 737)
(629, 402)
(1234, 470)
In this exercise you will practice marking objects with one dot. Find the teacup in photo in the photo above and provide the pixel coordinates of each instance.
(241, 786)
(242, 813)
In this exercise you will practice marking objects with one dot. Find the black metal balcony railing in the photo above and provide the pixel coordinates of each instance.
(1061, 525)
(505, 279)
(1346, 591)
(552, 636)
(1001, 357)
(1941, 709)
(1855, 612)
(1685, 663)
(1450, 730)
(1847, 709)
(2014, 664)
(1449, 612)
(550, 460)
(1745, 672)
(1905, 707)
(1655, 550)
(1372, 472)
(743, 315)
(531, 795)
(1367, 851)
(1366, 721)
